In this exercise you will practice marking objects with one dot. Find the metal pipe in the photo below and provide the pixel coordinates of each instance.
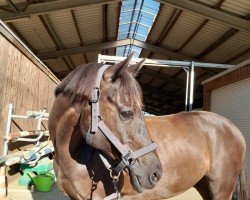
(8, 129)
(3, 179)
(165, 63)
(39, 122)
(191, 87)
(186, 69)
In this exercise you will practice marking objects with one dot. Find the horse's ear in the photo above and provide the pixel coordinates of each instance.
(116, 70)
(135, 69)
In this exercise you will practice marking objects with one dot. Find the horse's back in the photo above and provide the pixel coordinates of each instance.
(200, 140)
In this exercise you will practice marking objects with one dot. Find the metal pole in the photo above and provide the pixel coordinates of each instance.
(165, 63)
(186, 69)
(191, 87)
(3, 179)
(8, 129)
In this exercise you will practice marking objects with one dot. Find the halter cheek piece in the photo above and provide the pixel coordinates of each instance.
(128, 157)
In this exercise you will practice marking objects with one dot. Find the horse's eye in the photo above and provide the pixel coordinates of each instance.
(127, 114)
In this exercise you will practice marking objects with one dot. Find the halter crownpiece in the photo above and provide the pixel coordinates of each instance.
(128, 157)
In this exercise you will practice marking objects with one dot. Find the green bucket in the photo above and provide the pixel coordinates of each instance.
(43, 182)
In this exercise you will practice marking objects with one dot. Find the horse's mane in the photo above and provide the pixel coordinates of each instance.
(79, 83)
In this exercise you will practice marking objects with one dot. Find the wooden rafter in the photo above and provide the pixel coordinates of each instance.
(197, 30)
(206, 11)
(205, 21)
(170, 24)
(12, 5)
(21, 37)
(238, 55)
(28, 3)
(217, 43)
(78, 33)
(47, 25)
(48, 7)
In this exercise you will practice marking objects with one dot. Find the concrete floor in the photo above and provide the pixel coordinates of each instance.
(22, 193)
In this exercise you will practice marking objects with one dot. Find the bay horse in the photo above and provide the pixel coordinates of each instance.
(103, 103)
(196, 149)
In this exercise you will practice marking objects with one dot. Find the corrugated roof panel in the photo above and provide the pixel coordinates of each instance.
(36, 35)
(57, 65)
(236, 44)
(64, 27)
(113, 11)
(3, 2)
(62, 64)
(161, 22)
(77, 59)
(182, 29)
(241, 59)
(240, 7)
(90, 21)
(204, 38)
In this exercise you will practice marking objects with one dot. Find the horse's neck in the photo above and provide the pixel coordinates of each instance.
(157, 125)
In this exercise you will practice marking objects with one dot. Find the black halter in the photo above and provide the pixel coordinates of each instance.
(127, 156)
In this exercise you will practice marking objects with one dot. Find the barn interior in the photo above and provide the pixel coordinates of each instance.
(67, 33)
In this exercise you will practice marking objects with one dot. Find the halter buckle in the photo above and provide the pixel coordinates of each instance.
(95, 95)
(129, 159)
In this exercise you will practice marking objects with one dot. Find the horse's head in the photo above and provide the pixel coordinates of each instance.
(119, 100)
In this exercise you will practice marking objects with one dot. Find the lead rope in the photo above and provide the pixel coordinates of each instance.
(115, 179)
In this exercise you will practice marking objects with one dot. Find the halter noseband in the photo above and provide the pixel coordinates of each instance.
(128, 156)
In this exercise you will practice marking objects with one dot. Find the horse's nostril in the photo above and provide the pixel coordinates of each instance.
(155, 177)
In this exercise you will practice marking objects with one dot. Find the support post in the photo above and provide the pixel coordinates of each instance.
(3, 178)
(186, 69)
(191, 86)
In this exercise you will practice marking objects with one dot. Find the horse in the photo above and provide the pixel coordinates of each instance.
(102, 102)
(196, 149)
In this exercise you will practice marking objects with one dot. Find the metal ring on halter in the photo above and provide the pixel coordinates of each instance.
(114, 177)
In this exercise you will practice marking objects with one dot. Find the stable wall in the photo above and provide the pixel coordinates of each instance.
(24, 81)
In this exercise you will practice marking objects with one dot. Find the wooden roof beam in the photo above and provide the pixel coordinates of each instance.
(210, 13)
(238, 55)
(21, 37)
(112, 44)
(217, 43)
(12, 5)
(217, 6)
(175, 16)
(48, 7)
